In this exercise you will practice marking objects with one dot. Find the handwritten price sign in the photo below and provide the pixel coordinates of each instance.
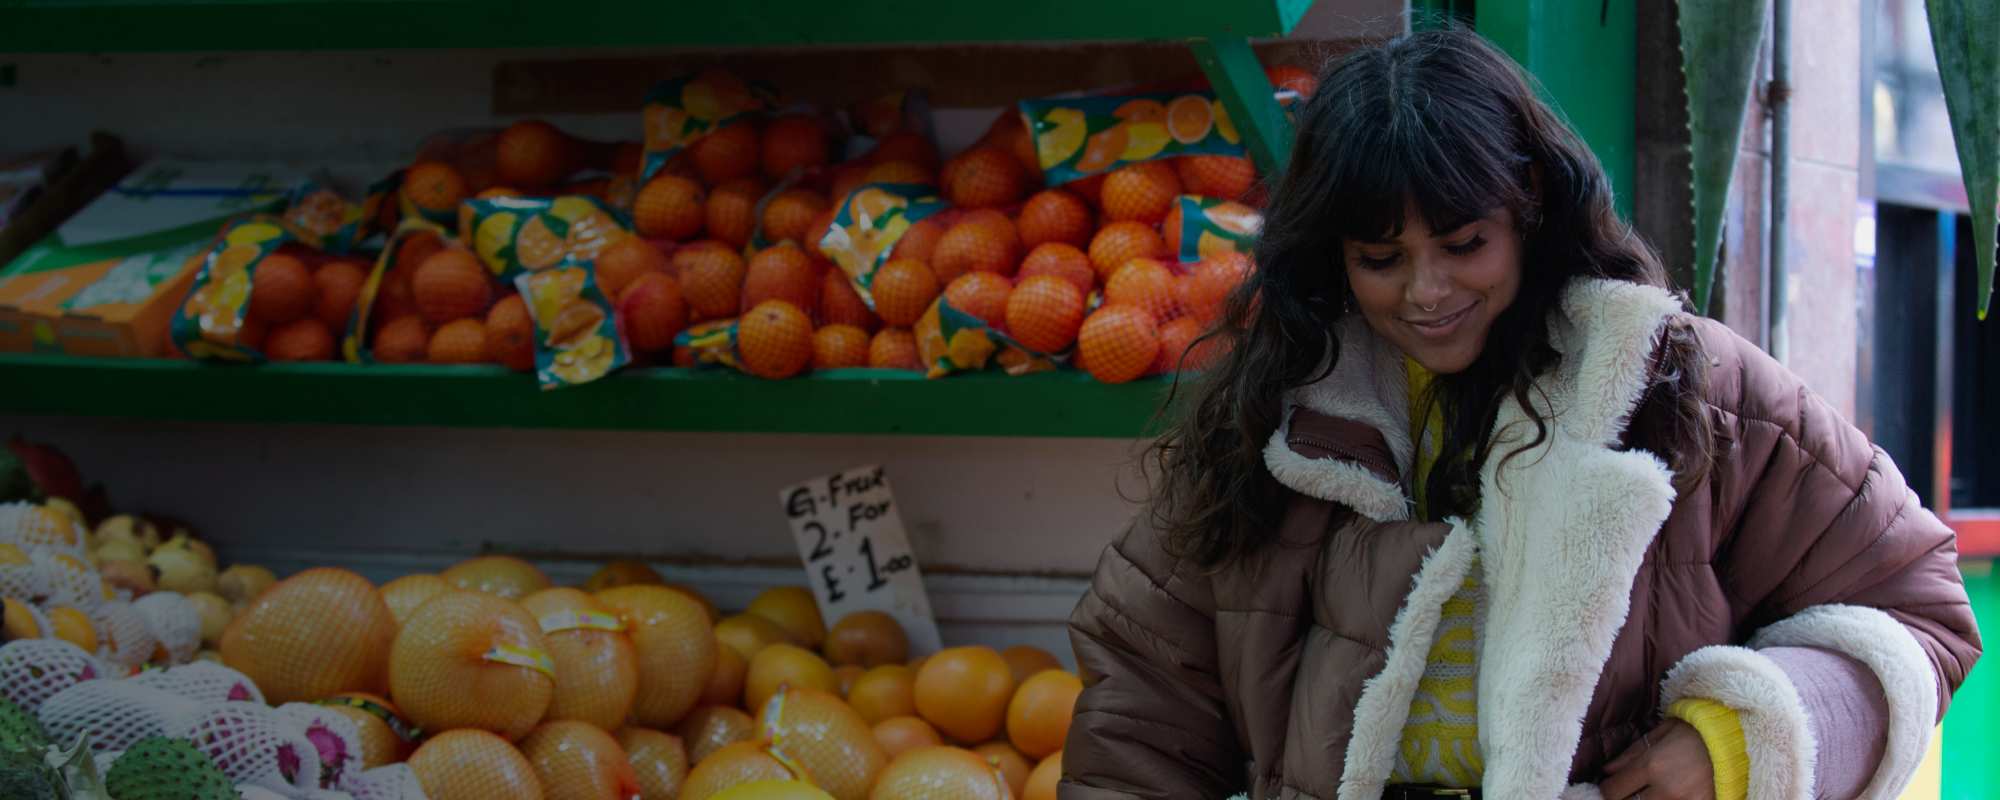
(856, 552)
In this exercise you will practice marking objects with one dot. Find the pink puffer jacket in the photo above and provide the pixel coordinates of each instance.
(1800, 583)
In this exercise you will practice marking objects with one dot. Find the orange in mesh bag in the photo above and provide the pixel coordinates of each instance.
(710, 728)
(253, 744)
(472, 660)
(318, 633)
(740, 763)
(474, 765)
(597, 671)
(579, 761)
(386, 737)
(675, 644)
(826, 738)
(116, 713)
(658, 760)
(391, 782)
(940, 773)
(33, 670)
(406, 593)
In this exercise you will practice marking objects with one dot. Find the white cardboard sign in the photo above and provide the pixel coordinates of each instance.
(856, 553)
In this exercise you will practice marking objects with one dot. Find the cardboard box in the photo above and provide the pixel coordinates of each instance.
(106, 283)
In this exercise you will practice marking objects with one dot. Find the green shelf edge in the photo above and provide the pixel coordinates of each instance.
(44, 26)
(848, 401)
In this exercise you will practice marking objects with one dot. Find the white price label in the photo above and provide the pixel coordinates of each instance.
(856, 553)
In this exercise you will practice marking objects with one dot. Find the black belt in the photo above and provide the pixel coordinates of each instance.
(1427, 793)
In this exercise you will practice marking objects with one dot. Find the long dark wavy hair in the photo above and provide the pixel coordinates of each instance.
(1443, 123)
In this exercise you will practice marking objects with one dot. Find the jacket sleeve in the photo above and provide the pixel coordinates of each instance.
(1151, 722)
(1857, 627)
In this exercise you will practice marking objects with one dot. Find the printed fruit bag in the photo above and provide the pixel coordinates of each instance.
(951, 340)
(1077, 137)
(1200, 227)
(215, 321)
(870, 221)
(576, 333)
(336, 224)
(707, 344)
(512, 235)
(681, 110)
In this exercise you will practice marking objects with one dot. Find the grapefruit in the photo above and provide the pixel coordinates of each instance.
(1042, 782)
(939, 773)
(1014, 767)
(1147, 284)
(473, 765)
(623, 572)
(868, 638)
(984, 177)
(790, 214)
(782, 665)
(733, 765)
(316, 634)
(505, 576)
(899, 735)
(964, 692)
(597, 671)
(748, 633)
(472, 660)
(883, 692)
(1227, 177)
(1038, 716)
(710, 728)
(794, 609)
(658, 761)
(405, 594)
(675, 644)
(725, 684)
(579, 761)
(434, 186)
(820, 733)
(1026, 661)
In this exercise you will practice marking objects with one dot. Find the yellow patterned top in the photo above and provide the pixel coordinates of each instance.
(1440, 743)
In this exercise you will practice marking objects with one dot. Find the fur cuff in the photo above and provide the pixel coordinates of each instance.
(1909, 680)
(1582, 791)
(1776, 733)
(1335, 481)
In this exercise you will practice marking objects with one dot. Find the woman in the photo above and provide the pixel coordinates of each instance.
(1472, 505)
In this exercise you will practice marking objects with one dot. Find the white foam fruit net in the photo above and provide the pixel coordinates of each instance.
(23, 582)
(122, 634)
(34, 670)
(173, 621)
(116, 713)
(334, 738)
(389, 782)
(251, 791)
(28, 525)
(71, 581)
(253, 744)
(204, 682)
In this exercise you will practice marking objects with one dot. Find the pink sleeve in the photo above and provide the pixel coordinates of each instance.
(1847, 711)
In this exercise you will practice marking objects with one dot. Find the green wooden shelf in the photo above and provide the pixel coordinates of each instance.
(231, 25)
(850, 401)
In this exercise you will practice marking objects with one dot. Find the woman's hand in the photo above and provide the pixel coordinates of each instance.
(1669, 763)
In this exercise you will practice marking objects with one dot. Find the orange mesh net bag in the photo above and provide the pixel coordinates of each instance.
(253, 744)
(34, 670)
(115, 713)
(204, 682)
(173, 622)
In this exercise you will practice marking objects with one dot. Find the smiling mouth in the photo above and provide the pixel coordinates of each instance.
(1444, 321)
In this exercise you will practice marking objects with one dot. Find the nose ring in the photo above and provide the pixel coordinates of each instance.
(1429, 308)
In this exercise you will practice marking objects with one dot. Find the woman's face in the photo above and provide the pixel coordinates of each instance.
(1435, 294)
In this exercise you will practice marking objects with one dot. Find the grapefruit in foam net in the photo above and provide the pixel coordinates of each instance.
(939, 773)
(505, 576)
(597, 671)
(733, 765)
(820, 733)
(658, 760)
(710, 728)
(579, 761)
(869, 638)
(964, 692)
(671, 634)
(472, 660)
(474, 765)
(316, 634)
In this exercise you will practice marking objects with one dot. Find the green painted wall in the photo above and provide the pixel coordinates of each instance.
(1583, 53)
(1973, 725)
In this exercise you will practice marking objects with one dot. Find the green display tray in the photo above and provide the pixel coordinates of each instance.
(219, 25)
(847, 401)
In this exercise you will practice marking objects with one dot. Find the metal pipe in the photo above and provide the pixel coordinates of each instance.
(1778, 96)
